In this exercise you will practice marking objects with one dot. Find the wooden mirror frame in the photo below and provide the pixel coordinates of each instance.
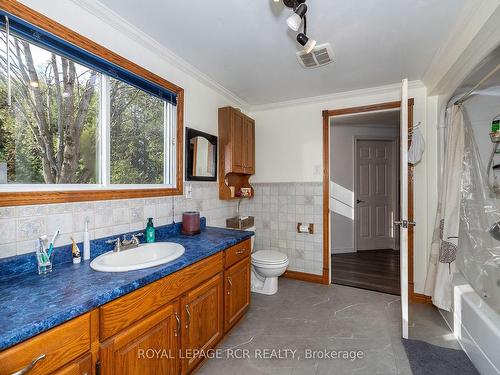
(44, 197)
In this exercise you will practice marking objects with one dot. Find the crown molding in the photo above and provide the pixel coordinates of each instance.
(468, 26)
(117, 22)
(370, 91)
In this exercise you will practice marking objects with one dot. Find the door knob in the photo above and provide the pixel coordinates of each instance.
(359, 201)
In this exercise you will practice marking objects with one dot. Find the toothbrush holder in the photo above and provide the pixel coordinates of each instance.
(44, 260)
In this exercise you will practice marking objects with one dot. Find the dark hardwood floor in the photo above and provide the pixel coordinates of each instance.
(368, 269)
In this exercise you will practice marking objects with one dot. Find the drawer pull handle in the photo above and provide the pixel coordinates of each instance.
(188, 313)
(240, 251)
(230, 285)
(178, 324)
(30, 366)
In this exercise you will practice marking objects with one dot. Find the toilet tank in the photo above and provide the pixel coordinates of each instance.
(252, 239)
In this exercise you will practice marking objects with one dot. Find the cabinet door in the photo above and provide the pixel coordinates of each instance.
(202, 313)
(237, 292)
(81, 366)
(249, 141)
(151, 346)
(237, 142)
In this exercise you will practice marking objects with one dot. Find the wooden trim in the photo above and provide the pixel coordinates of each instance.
(366, 108)
(309, 277)
(43, 197)
(420, 298)
(412, 296)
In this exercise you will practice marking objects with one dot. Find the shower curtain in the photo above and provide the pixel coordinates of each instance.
(446, 229)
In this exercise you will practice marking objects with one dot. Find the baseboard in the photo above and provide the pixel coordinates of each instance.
(303, 276)
(420, 298)
(343, 250)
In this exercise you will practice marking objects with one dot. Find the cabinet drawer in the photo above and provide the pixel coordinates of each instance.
(121, 313)
(237, 252)
(60, 345)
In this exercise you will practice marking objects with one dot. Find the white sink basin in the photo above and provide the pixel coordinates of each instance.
(144, 256)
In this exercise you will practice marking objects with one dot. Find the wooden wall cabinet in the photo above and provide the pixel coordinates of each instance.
(236, 151)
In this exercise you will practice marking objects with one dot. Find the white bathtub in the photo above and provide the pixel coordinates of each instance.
(476, 325)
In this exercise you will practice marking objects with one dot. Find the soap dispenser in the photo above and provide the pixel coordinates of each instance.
(150, 231)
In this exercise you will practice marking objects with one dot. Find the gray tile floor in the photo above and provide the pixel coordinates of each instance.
(318, 317)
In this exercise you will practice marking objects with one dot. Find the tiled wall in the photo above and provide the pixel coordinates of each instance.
(20, 226)
(277, 209)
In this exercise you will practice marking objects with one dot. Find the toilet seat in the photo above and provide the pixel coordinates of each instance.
(269, 257)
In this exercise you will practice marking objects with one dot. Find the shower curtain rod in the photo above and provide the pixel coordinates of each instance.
(471, 91)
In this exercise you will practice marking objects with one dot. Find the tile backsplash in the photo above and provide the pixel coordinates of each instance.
(277, 208)
(20, 226)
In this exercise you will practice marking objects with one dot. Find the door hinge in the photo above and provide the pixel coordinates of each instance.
(405, 223)
(98, 367)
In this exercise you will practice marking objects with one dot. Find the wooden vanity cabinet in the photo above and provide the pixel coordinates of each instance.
(80, 366)
(202, 319)
(237, 292)
(150, 346)
(153, 330)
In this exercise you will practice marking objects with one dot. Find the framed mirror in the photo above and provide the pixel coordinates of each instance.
(201, 156)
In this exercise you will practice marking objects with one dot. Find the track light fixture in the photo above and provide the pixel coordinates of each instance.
(295, 20)
(306, 42)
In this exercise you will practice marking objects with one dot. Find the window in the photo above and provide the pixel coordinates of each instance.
(70, 120)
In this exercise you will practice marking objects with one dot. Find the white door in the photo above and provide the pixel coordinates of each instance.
(403, 222)
(374, 194)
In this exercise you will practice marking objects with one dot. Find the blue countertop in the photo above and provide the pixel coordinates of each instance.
(31, 304)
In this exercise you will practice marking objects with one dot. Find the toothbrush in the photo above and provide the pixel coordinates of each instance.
(52, 243)
(45, 258)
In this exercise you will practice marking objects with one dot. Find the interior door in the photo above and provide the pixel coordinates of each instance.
(403, 221)
(374, 190)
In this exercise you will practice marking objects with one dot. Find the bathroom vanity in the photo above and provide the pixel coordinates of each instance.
(153, 329)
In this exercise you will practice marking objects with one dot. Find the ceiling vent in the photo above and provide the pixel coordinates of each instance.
(321, 55)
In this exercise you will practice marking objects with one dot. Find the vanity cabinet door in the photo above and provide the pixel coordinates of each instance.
(238, 147)
(202, 313)
(249, 142)
(151, 346)
(237, 292)
(81, 366)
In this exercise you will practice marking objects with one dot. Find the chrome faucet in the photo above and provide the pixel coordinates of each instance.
(126, 244)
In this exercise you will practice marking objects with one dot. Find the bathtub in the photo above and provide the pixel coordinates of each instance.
(476, 325)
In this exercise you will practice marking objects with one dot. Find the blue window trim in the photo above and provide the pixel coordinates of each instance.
(57, 45)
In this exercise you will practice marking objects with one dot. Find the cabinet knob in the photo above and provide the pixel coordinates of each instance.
(28, 368)
(241, 251)
(230, 285)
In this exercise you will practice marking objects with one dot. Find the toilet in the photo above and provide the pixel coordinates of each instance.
(267, 266)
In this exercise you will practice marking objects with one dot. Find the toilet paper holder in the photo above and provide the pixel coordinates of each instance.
(305, 228)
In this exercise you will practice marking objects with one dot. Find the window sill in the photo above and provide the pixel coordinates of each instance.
(20, 198)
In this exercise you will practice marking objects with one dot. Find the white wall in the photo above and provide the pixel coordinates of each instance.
(289, 149)
(201, 101)
(20, 226)
(342, 173)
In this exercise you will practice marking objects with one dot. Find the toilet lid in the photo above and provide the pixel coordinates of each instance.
(269, 257)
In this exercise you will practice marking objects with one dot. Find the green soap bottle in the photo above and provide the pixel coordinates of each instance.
(150, 231)
(495, 126)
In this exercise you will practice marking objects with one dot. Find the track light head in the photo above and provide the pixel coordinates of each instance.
(295, 20)
(306, 42)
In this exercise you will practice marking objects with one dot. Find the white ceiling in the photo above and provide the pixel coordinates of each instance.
(246, 46)
(387, 119)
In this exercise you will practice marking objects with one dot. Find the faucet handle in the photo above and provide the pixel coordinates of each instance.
(117, 242)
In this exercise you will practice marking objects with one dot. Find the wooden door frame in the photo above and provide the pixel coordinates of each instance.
(394, 183)
(326, 190)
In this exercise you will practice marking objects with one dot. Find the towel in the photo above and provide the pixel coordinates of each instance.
(417, 147)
